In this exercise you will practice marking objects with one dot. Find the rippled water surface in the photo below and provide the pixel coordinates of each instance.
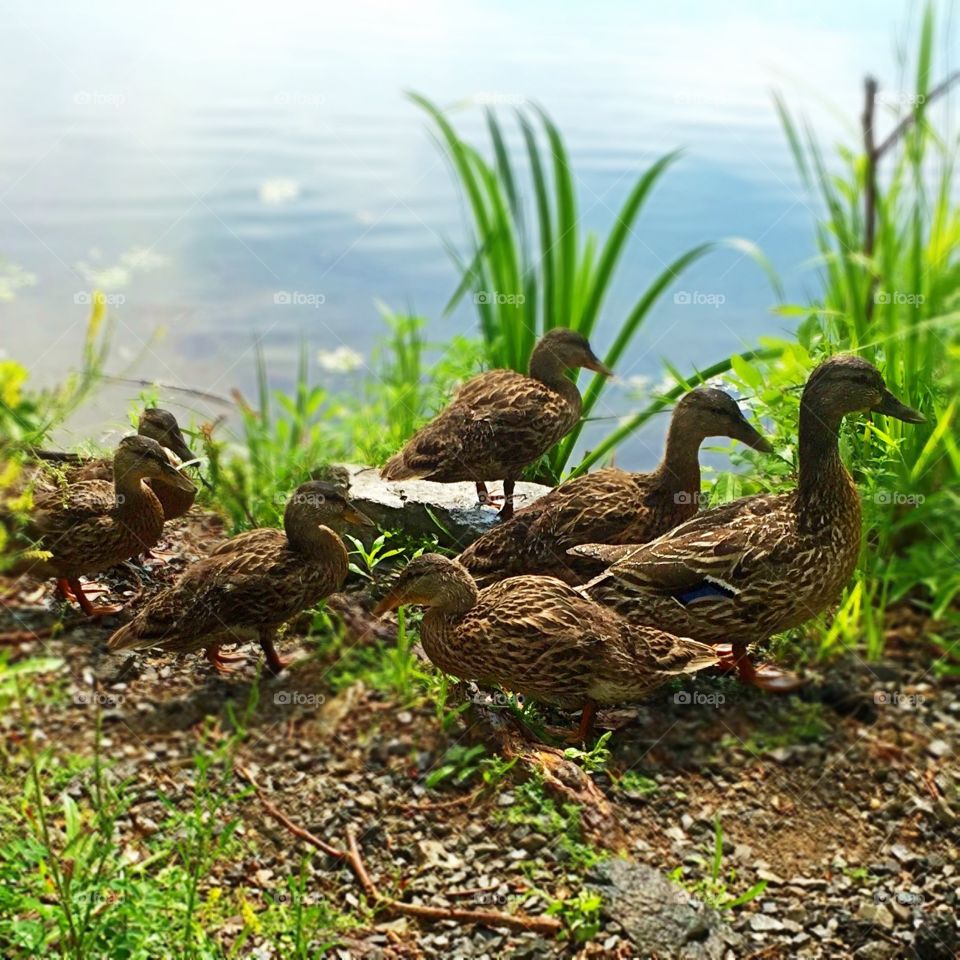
(196, 160)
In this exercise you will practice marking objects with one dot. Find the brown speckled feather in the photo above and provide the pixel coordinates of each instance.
(252, 581)
(759, 569)
(608, 506)
(88, 529)
(497, 424)
(539, 637)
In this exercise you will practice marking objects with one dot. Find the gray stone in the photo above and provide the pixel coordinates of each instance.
(936, 939)
(457, 519)
(658, 917)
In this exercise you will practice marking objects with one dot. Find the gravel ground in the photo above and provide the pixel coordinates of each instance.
(844, 800)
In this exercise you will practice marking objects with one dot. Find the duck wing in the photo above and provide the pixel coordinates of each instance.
(708, 554)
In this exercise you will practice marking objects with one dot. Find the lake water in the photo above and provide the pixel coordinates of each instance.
(192, 160)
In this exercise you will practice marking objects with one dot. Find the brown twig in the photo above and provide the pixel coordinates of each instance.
(874, 154)
(465, 800)
(189, 391)
(352, 857)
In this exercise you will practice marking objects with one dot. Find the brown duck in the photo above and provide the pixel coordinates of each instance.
(611, 505)
(159, 425)
(539, 637)
(501, 421)
(759, 565)
(252, 584)
(90, 526)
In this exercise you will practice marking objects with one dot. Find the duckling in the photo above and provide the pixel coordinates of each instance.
(611, 505)
(539, 637)
(252, 584)
(763, 564)
(90, 526)
(501, 421)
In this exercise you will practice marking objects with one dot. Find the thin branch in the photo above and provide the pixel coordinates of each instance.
(163, 385)
(352, 857)
(911, 118)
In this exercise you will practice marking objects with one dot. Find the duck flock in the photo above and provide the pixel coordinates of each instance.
(596, 593)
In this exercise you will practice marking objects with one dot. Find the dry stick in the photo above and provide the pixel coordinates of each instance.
(874, 154)
(351, 856)
(190, 391)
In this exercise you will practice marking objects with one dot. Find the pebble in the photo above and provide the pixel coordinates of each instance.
(876, 914)
(760, 923)
(938, 748)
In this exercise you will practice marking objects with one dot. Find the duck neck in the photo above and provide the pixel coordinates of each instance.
(822, 473)
(679, 470)
(546, 367)
(318, 543)
(458, 596)
(132, 493)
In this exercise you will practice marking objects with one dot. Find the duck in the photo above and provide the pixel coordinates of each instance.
(612, 505)
(157, 424)
(539, 637)
(87, 527)
(501, 421)
(762, 564)
(251, 584)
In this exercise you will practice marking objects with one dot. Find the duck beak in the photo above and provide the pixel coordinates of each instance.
(171, 476)
(595, 364)
(353, 515)
(390, 602)
(890, 406)
(179, 446)
(753, 438)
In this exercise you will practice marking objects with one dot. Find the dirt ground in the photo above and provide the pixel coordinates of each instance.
(844, 799)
